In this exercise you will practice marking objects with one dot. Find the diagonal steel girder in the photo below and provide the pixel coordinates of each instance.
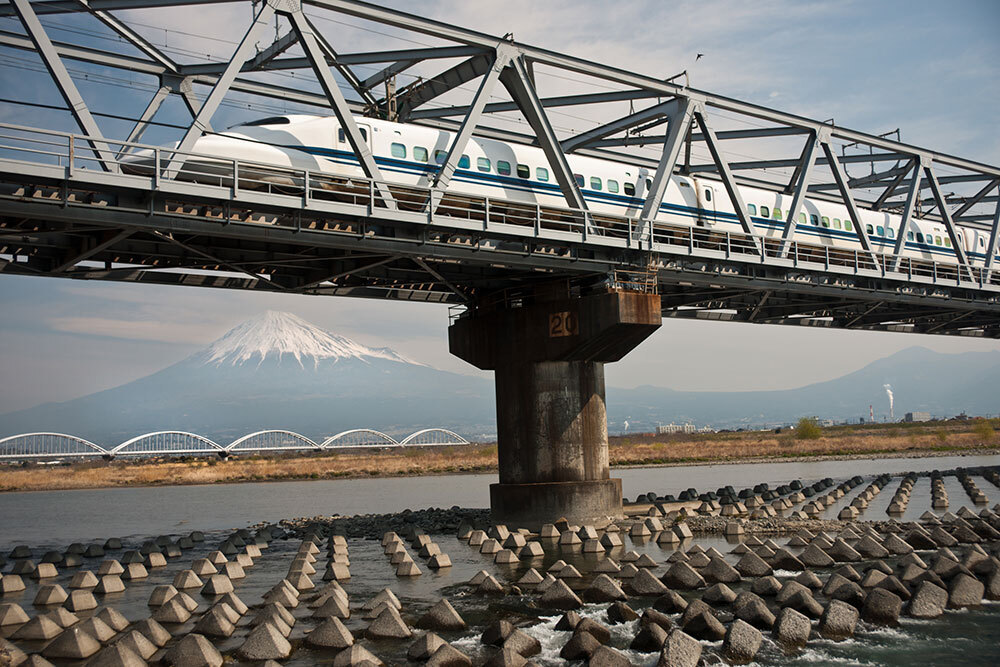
(515, 79)
(60, 76)
(142, 123)
(137, 40)
(801, 188)
(890, 190)
(904, 223)
(313, 50)
(974, 199)
(387, 73)
(657, 111)
(221, 87)
(279, 46)
(423, 92)
(501, 60)
(840, 176)
(991, 248)
(331, 55)
(957, 243)
(107, 240)
(677, 129)
(727, 176)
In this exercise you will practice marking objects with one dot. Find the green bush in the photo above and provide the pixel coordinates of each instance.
(984, 429)
(808, 429)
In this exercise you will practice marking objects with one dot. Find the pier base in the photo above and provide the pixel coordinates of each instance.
(548, 355)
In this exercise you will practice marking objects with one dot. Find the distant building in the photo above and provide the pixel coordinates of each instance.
(917, 417)
(663, 429)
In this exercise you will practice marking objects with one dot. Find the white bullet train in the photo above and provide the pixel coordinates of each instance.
(411, 154)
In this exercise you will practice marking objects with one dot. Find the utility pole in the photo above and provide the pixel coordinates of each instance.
(390, 99)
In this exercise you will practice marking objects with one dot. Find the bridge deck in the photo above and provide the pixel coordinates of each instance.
(63, 216)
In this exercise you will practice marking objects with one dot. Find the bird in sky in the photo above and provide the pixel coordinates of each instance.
(698, 57)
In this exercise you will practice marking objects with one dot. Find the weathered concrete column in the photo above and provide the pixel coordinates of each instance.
(548, 355)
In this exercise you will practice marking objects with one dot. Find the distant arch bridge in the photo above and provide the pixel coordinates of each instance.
(48, 446)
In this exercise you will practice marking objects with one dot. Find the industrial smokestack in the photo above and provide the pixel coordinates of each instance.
(888, 392)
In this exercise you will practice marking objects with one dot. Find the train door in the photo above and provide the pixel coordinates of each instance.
(344, 145)
(706, 204)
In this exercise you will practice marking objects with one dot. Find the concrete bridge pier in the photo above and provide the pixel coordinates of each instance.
(548, 352)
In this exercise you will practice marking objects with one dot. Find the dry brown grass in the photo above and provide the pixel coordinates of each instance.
(640, 449)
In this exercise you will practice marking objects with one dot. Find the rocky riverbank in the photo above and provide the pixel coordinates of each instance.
(715, 577)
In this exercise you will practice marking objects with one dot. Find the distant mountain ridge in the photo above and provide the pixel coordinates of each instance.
(922, 380)
(277, 371)
(274, 371)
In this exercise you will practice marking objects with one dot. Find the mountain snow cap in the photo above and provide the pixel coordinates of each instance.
(279, 334)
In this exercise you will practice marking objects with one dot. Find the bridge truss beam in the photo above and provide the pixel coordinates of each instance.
(163, 231)
(475, 46)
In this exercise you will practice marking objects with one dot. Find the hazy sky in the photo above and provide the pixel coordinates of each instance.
(928, 68)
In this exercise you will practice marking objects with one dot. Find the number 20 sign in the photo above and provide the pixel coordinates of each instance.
(563, 324)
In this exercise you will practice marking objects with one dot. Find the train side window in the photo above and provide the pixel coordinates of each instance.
(937, 240)
(752, 209)
(523, 171)
(981, 243)
(776, 213)
(612, 186)
(629, 189)
(439, 156)
(579, 179)
(868, 228)
(464, 162)
(880, 230)
(420, 154)
(398, 150)
(814, 220)
(483, 164)
(649, 184)
(890, 232)
(542, 174)
(503, 167)
(802, 219)
(947, 242)
(836, 223)
(595, 183)
(826, 221)
(909, 236)
(920, 237)
(342, 137)
(708, 195)
(764, 213)
(848, 225)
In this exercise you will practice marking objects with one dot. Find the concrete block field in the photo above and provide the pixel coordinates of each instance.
(784, 575)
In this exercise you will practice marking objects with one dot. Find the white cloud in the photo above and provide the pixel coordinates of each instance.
(178, 333)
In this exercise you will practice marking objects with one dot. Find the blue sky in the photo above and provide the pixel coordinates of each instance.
(927, 68)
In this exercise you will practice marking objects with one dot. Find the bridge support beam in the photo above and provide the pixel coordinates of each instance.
(548, 356)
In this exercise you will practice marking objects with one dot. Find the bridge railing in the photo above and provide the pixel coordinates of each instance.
(244, 180)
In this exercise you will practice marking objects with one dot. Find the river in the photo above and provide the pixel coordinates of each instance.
(42, 517)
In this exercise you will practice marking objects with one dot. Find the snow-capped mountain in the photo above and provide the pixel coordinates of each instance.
(281, 335)
(275, 371)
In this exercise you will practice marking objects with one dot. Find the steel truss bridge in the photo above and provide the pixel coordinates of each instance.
(69, 210)
(41, 446)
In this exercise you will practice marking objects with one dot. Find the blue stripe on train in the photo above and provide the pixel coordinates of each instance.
(525, 185)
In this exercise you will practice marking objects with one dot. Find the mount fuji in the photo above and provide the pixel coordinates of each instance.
(275, 371)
